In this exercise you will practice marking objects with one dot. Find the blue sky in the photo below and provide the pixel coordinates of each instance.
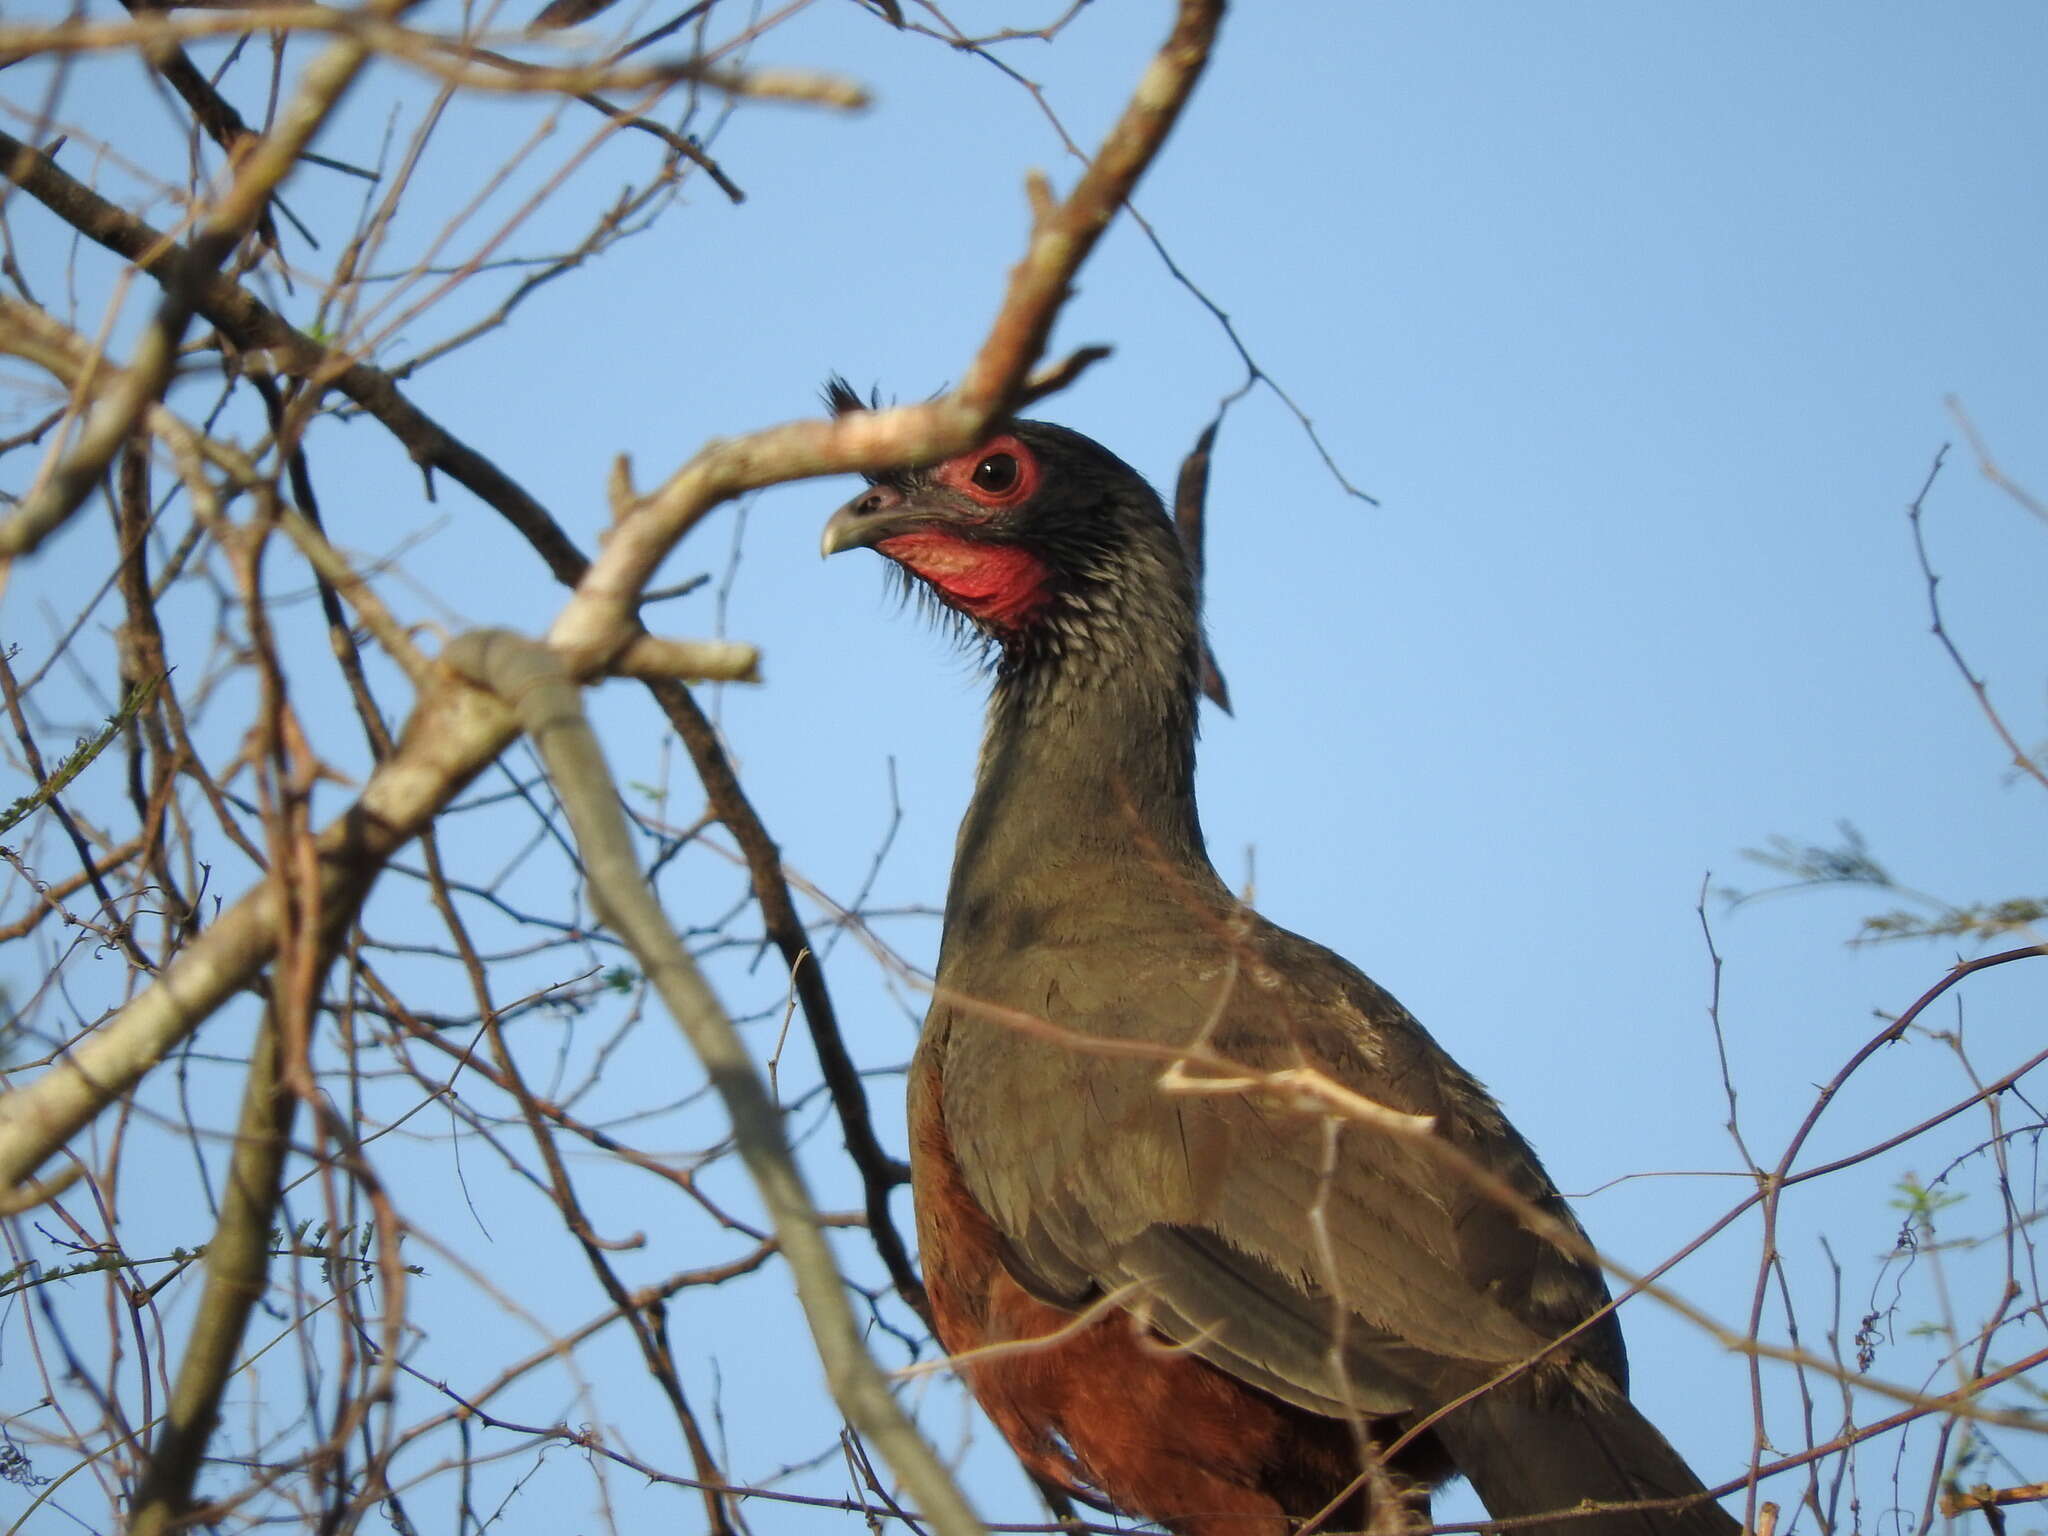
(1638, 323)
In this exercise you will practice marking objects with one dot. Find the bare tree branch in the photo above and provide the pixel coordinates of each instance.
(530, 677)
(65, 483)
(237, 1262)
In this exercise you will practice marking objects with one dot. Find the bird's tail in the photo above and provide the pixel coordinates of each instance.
(1548, 1442)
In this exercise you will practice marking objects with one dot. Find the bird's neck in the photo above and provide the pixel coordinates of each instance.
(1086, 785)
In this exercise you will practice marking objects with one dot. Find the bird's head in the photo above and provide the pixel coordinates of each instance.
(1044, 541)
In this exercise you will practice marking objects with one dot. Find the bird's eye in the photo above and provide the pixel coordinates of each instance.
(997, 474)
(1001, 473)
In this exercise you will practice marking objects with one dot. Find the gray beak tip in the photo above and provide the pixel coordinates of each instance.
(855, 525)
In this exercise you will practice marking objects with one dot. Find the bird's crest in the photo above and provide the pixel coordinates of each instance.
(842, 399)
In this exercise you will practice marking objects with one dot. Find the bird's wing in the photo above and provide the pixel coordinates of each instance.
(1334, 1261)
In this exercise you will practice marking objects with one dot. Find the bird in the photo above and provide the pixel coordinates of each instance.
(1217, 1234)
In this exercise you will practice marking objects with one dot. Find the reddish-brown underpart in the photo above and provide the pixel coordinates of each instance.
(1108, 1406)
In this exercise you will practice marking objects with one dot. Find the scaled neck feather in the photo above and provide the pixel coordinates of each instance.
(1088, 764)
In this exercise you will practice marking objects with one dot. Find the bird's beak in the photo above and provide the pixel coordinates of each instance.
(872, 516)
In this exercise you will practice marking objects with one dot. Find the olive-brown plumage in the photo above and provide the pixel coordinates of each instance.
(1242, 1294)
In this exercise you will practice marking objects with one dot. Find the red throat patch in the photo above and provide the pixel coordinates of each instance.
(1001, 585)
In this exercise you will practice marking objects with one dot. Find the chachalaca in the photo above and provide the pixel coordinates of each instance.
(1210, 1223)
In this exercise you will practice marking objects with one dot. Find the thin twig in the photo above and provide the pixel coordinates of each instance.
(256, 329)
(550, 707)
(237, 1264)
(2021, 758)
(64, 485)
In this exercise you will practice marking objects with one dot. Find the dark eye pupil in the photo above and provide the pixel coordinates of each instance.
(997, 473)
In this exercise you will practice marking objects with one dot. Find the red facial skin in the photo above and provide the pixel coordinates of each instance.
(1000, 585)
